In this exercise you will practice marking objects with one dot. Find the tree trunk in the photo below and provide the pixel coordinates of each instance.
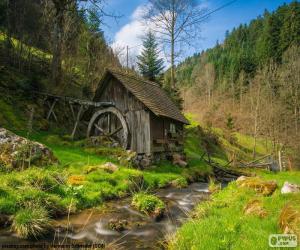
(57, 45)
(172, 61)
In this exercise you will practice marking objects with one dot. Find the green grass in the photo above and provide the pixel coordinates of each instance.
(222, 224)
(31, 222)
(224, 151)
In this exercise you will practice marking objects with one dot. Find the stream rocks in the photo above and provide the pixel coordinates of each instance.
(118, 225)
(19, 152)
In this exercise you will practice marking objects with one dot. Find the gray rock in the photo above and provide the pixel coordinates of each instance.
(17, 151)
(290, 188)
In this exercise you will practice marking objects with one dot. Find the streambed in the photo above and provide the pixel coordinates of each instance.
(141, 231)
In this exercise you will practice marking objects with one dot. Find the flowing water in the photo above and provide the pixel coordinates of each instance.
(141, 231)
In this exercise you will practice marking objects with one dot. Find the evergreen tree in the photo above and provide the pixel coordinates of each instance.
(149, 63)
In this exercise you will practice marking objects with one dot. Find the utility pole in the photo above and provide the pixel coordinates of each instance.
(127, 59)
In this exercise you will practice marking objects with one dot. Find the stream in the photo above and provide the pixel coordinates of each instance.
(141, 231)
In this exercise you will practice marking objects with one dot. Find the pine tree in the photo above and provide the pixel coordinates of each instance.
(149, 63)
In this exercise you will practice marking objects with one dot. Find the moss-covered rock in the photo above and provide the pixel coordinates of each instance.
(19, 152)
(257, 184)
(149, 204)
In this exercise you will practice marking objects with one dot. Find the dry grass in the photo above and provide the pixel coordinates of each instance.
(255, 207)
(289, 220)
(214, 186)
(258, 185)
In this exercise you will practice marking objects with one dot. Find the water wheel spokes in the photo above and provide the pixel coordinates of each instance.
(109, 122)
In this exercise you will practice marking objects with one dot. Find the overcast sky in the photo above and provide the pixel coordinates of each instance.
(128, 29)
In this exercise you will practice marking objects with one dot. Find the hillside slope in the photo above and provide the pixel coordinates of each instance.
(251, 80)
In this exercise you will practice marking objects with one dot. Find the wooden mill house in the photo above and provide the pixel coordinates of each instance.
(132, 112)
(142, 116)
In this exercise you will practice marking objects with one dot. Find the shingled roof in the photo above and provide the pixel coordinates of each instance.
(149, 93)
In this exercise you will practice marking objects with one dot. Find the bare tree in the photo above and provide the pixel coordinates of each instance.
(177, 22)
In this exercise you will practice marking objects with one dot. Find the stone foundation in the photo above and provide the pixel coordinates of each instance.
(145, 160)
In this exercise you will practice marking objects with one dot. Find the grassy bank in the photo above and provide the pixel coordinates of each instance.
(79, 181)
(40, 194)
(226, 223)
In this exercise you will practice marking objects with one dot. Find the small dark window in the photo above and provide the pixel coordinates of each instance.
(172, 128)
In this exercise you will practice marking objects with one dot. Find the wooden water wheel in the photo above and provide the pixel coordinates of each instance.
(109, 122)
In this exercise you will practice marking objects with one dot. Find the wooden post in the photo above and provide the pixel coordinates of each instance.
(279, 161)
(77, 121)
(127, 57)
(72, 111)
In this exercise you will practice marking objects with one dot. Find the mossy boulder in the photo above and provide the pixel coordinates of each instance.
(19, 152)
(260, 186)
(149, 204)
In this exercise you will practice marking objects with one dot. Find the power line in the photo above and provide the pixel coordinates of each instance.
(199, 20)
(213, 11)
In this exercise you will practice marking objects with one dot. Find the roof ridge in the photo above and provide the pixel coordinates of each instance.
(131, 75)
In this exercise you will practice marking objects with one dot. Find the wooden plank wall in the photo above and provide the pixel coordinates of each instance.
(135, 112)
(139, 123)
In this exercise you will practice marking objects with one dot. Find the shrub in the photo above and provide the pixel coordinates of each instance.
(148, 204)
(31, 222)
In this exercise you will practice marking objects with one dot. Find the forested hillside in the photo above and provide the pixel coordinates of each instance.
(60, 42)
(251, 79)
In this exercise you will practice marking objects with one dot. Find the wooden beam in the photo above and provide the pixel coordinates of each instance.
(51, 110)
(116, 131)
(75, 100)
(100, 129)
